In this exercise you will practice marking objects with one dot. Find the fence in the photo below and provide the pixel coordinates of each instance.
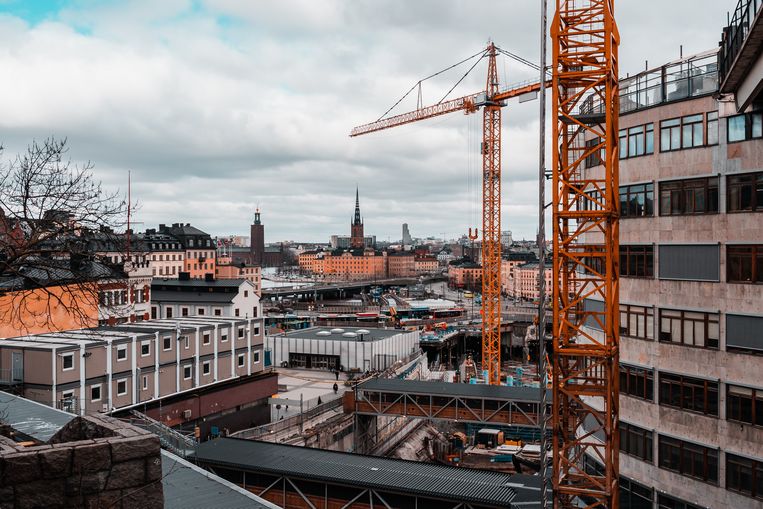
(174, 441)
(295, 420)
(735, 34)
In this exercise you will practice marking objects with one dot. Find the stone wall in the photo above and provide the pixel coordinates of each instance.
(92, 462)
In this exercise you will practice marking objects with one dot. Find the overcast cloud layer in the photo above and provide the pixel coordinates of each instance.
(220, 105)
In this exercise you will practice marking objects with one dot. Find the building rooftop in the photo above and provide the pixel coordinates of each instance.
(408, 477)
(197, 283)
(338, 334)
(34, 420)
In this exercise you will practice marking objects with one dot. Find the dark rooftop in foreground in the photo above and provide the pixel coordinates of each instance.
(530, 394)
(370, 334)
(406, 477)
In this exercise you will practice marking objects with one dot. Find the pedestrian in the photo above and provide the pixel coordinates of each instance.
(336, 388)
(336, 373)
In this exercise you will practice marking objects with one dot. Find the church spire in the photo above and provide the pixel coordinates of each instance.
(357, 220)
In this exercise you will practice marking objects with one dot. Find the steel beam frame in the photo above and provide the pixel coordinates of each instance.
(585, 367)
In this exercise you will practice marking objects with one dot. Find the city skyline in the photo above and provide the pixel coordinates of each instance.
(222, 107)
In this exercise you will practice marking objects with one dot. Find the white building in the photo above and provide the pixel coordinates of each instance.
(174, 298)
(349, 349)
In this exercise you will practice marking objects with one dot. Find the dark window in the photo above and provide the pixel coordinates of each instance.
(745, 264)
(636, 441)
(95, 392)
(186, 372)
(694, 196)
(687, 393)
(638, 382)
(690, 328)
(183, 311)
(634, 495)
(218, 312)
(743, 333)
(241, 360)
(744, 127)
(145, 348)
(121, 387)
(668, 502)
(636, 141)
(169, 312)
(745, 192)
(637, 200)
(636, 321)
(637, 261)
(153, 312)
(686, 458)
(206, 338)
(691, 262)
(744, 404)
(167, 343)
(744, 476)
(121, 353)
(680, 133)
(205, 367)
(68, 361)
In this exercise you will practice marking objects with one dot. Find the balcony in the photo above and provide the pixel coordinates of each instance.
(740, 53)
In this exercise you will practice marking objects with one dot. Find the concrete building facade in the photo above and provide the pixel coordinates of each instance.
(105, 368)
(691, 300)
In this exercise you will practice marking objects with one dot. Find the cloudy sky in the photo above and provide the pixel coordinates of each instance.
(217, 106)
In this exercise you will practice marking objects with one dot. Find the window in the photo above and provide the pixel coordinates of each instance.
(712, 127)
(145, 382)
(183, 311)
(236, 312)
(745, 264)
(241, 360)
(200, 311)
(687, 393)
(256, 331)
(167, 340)
(187, 372)
(680, 133)
(256, 356)
(744, 475)
(95, 393)
(690, 262)
(668, 502)
(224, 337)
(694, 196)
(744, 404)
(67, 361)
(686, 458)
(168, 312)
(218, 312)
(122, 387)
(743, 333)
(637, 382)
(206, 338)
(240, 332)
(637, 321)
(690, 328)
(744, 127)
(246, 293)
(745, 192)
(121, 352)
(636, 441)
(205, 367)
(637, 261)
(635, 495)
(636, 141)
(596, 157)
(145, 348)
(153, 312)
(637, 200)
(186, 342)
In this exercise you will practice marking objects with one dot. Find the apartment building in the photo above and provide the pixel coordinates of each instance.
(401, 264)
(691, 299)
(166, 255)
(465, 275)
(198, 248)
(509, 262)
(227, 269)
(523, 282)
(105, 368)
(206, 297)
(426, 264)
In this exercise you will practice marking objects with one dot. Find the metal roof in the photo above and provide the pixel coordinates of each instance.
(198, 283)
(529, 394)
(192, 297)
(400, 476)
(373, 334)
(34, 420)
(187, 486)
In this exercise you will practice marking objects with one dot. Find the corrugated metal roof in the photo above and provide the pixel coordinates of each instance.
(400, 476)
(372, 334)
(196, 297)
(187, 486)
(34, 420)
(528, 394)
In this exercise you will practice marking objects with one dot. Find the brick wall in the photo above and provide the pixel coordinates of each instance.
(92, 462)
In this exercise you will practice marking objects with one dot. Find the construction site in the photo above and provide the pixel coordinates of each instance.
(635, 384)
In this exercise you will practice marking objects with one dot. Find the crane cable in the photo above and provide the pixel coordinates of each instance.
(480, 53)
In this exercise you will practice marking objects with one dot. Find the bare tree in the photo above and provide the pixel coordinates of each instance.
(51, 214)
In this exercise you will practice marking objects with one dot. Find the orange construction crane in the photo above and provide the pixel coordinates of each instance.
(491, 101)
(585, 218)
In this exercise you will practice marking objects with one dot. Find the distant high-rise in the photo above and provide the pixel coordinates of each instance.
(407, 240)
(356, 226)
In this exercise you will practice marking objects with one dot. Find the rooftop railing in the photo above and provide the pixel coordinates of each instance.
(736, 33)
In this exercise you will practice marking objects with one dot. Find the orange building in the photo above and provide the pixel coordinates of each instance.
(466, 275)
(50, 309)
(426, 264)
(401, 264)
(351, 264)
(226, 269)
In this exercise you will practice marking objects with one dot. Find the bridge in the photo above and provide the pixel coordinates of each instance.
(468, 403)
(335, 288)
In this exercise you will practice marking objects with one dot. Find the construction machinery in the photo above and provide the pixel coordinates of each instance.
(491, 101)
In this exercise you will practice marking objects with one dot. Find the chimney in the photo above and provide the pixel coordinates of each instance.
(184, 276)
